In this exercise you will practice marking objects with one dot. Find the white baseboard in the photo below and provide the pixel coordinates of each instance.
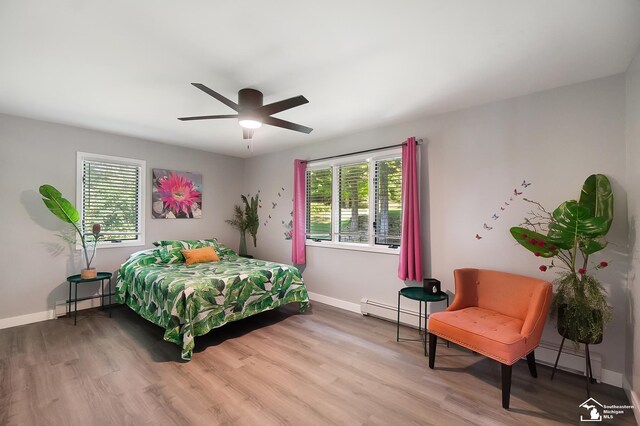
(347, 306)
(634, 399)
(27, 319)
(59, 310)
(612, 378)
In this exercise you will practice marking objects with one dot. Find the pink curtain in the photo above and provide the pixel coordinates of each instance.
(410, 266)
(298, 251)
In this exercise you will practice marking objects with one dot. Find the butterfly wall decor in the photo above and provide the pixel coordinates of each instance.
(503, 208)
(274, 205)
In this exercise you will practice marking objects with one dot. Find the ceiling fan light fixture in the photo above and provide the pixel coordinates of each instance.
(251, 112)
(248, 123)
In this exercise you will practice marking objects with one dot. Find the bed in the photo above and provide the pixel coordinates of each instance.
(190, 300)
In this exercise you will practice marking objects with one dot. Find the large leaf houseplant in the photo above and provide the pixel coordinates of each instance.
(570, 235)
(245, 219)
(66, 212)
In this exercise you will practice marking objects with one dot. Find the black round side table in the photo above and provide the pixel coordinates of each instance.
(419, 294)
(77, 279)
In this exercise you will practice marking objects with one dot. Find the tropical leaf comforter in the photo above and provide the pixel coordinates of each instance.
(190, 300)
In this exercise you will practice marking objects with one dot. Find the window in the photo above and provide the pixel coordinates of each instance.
(319, 204)
(356, 202)
(110, 192)
(353, 211)
(388, 201)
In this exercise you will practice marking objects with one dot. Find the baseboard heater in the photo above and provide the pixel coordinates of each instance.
(571, 360)
(61, 305)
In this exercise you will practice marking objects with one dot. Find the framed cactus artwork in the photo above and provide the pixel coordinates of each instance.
(176, 195)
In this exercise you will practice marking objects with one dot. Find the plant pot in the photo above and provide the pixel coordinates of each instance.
(566, 331)
(242, 251)
(87, 274)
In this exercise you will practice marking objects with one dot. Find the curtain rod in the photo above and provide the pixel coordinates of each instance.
(418, 142)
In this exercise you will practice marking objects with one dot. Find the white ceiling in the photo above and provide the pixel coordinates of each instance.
(125, 66)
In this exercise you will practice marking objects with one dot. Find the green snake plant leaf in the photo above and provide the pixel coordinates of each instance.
(59, 205)
(573, 223)
(533, 241)
(597, 196)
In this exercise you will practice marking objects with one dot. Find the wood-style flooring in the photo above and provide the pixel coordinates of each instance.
(327, 366)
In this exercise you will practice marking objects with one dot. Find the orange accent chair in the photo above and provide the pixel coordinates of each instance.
(496, 314)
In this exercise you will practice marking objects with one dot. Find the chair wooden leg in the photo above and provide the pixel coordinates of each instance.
(433, 340)
(506, 385)
(531, 360)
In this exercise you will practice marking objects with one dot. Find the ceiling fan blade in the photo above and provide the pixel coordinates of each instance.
(272, 121)
(207, 117)
(282, 105)
(218, 96)
(247, 133)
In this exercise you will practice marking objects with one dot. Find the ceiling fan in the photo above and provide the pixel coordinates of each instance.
(251, 114)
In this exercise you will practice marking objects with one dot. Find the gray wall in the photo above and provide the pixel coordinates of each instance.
(34, 261)
(472, 160)
(632, 370)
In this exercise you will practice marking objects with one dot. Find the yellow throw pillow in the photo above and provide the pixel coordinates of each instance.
(200, 255)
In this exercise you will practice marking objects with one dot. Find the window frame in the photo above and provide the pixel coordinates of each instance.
(142, 165)
(334, 164)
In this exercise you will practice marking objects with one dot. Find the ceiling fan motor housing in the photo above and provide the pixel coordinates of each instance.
(249, 99)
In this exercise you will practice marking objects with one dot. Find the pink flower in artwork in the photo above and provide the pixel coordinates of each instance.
(178, 193)
(543, 268)
(604, 264)
(536, 254)
(581, 271)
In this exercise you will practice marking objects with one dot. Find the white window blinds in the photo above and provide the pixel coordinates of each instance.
(388, 201)
(353, 211)
(319, 184)
(112, 196)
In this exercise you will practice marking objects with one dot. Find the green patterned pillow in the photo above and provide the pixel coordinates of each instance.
(144, 257)
(169, 254)
(187, 244)
(225, 252)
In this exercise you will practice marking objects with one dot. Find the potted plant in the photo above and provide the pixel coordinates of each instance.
(251, 212)
(65, 211)
(570, 234)
(246, 220)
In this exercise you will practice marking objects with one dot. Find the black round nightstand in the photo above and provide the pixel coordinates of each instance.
(421, 295)
(77, 279)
